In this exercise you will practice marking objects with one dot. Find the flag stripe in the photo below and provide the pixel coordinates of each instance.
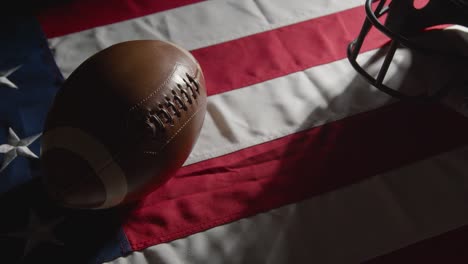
(363, 220)
(292, 168)
(80, 15)
(196, 26)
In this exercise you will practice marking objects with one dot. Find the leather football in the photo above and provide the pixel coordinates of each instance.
(122, 124)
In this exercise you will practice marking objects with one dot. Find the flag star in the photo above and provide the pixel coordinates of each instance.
(4, 77)
(38, 232)
(16, 147)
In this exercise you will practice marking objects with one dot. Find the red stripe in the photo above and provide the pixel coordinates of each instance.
(268, 55)
(292, 168)
(450, 247)
(78, 15)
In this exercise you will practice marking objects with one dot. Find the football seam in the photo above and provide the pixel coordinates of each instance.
(159, 88)
(173, 136)
(168, 107)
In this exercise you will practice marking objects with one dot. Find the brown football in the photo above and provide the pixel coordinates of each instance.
(122, 124)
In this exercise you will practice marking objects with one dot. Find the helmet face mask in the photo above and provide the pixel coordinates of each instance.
(402, 21)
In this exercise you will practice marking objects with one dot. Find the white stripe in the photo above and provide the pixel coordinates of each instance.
(349, 225)
(194, 26)
(96, 154)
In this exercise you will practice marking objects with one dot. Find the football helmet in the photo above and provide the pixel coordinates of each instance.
(403, 21)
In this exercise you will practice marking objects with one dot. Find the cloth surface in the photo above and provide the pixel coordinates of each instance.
(299, 159)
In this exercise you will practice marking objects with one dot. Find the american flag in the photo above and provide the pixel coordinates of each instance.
(299, 159)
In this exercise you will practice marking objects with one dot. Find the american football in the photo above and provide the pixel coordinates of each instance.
(122, 124)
